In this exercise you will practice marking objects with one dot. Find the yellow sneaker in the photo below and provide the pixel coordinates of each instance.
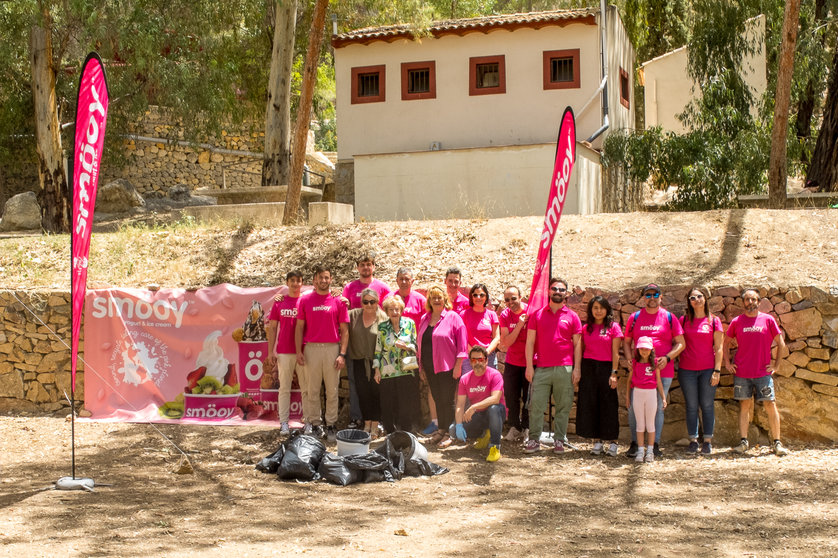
(494, 454)
(482, 441)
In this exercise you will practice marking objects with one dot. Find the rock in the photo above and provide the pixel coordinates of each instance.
(118, 196)
(765, 306)
(819, 378)
(11, 385)
(717, 304)
(36, 393)
(804, 414)
(802, 305)
(814, 342)
(784, 368)
(819, 366)
(782, 307)
(728, 290)
(180, 192)
(21, 212)
(822, 354)
(828, 390)
(833, 362)
(793, 296)
(803, 323)
(798, 359)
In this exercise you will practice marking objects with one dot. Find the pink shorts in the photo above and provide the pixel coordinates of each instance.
(644, 402)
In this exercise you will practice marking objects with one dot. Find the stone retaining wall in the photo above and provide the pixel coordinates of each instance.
(35, 366)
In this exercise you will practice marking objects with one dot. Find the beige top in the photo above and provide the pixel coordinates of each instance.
(362, 339)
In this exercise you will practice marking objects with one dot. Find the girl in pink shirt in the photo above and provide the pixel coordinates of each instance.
(482, 325)
(641, 397)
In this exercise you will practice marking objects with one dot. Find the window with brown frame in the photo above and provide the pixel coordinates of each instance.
(561, 69)
(418, 80)
(486, 75)
(625, 92)
(368, 84)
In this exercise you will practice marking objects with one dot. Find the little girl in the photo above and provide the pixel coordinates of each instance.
(641, 397)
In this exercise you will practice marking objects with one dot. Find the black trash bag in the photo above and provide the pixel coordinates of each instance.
(333, 469)
(302, 458)
(423, 467)
(271, 463)
(374, 467)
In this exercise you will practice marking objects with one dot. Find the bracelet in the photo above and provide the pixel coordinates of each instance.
(717, 371)
(342, 355)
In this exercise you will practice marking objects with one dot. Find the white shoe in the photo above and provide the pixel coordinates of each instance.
(612, 450)
(641, 453)
(284, 430)
(525, 435)
(308, 429)
(650, 456)
(513, 435)
(597, 450)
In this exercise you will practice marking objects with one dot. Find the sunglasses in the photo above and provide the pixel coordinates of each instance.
(697, 297)
(479, 295)
(652, 295)
(510, 299)
(478, 359)
(370, 302)
(558, 289)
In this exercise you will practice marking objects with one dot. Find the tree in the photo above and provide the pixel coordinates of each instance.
(298, 152)
(777, 170)
(275, 167)
(823, 170)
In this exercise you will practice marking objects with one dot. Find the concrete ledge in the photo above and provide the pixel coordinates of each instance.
(330, 213)
(256, 212)
(793, 201)
(257, 195)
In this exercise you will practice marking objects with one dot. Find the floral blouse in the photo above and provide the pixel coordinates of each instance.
(388, 358)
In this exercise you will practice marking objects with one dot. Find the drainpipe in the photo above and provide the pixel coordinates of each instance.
(603, 46)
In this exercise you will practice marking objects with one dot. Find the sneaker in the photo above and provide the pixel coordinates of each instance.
(494, 454)
(532, 446)
(650, 456)
(742, 447)
(318, 431)
(632, 451)
(308, 429)
(284, 430)
(558, 447)
(331, 434)
(639, 454)
(612, 450)
(482, 441)
(430, 429)
(779, 448)
(513, 435)
(706, 448)
(355, 424)
(597, 449)
(657, 450)
(693, 447)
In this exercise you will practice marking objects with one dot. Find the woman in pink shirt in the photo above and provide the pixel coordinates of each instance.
(441, 350)
(699, 367)
(482, 325)
(597, 405)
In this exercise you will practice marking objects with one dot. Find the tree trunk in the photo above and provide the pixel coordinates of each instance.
(777, 168)
(298, 151)
(54, 196)
(277, 161)
(823, 170)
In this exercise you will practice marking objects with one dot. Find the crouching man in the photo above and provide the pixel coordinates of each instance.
(482, 388)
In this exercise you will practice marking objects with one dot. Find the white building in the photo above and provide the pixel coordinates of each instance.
(463, 121)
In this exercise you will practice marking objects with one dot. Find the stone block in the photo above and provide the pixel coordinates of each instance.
(814, 342)
(331, 213)
(802, 305)
(833, 362)
(803, 323)
(819, 378)
(724, 393)
(11, 385)
(796, 345)
(818, 366)
(825, 389)
(798, 358)
(830, 339)
(765, 306)
(36, 393)
(727, 290)
(822, 354)
(804, 413)
(793, 296)
(782, 307)
(784, 368)
(717, 304)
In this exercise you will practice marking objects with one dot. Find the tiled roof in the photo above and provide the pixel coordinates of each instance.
(533, 20)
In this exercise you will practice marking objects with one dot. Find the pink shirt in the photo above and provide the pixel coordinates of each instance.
(285, 313)
(449, 339)
(753, 339)
(554, 335)
(460, 303)
(414, 306)
(599, 343)
(643, 376)
(479, 326)
(322, 315)
(477, 388)
(658, 327)
(698, 353)
(352, 291)
(516, 353)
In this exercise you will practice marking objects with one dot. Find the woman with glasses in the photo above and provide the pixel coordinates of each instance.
(699, 367)
(482, 324)
(363, 333)
(441, 350)
(513, 340)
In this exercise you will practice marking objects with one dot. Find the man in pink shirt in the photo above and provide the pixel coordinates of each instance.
(323, 328)
(755, 334)
(481, 407)
(513, 340)
(459, 301)
(414, 301)
(554, 338)
(668, 338)
(282, 353)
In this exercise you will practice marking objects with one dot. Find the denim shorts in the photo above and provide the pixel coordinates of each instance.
(745, 388)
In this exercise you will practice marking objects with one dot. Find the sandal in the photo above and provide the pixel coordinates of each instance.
(446, 441)
(436, 437)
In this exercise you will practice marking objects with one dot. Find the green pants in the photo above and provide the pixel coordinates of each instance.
(557, 378)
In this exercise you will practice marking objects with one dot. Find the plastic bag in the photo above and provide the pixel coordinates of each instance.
(333, 469)
(423, 467)
(302, 458)
(271, 463)
(374, 467)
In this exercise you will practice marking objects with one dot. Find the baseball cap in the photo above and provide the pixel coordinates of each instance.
(645, 343)
(651, 287)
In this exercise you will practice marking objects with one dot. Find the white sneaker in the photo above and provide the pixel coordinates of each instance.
(597, 450)
(641, 453)
(308, 429)
(284, 430)
(612, 450)
(513, 435)
(650, 456)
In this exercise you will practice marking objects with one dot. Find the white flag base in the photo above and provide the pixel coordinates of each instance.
(70, 483)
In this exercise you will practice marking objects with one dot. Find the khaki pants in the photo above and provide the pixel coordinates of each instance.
(285, 365)
(320, 368)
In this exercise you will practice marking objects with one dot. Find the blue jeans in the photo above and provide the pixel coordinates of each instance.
(698, 393)
(491, 418)
(658, 415)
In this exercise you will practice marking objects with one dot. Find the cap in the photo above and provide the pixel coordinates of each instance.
(651, 287)
(645, 343)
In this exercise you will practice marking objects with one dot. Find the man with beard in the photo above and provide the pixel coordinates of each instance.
(554, 336)
(755, 333)
(668, 340)
(481, 389)
(513, 340)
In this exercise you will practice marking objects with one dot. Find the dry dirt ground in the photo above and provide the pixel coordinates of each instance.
(575, 504)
